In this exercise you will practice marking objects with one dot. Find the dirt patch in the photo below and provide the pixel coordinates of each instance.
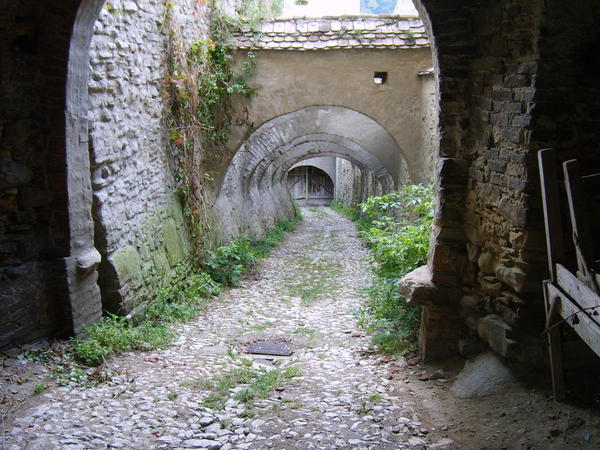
(522, 416)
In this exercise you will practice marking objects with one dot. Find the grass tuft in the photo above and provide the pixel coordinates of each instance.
(257, 383)
(186, 292)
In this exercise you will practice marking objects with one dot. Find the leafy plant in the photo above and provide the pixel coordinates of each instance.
(228, 263)
(114, 335)
(183, 297)
(396, 229)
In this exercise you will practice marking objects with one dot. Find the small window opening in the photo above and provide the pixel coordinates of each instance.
(380, 77)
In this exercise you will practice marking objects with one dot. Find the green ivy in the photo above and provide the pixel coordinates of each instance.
(201, 87)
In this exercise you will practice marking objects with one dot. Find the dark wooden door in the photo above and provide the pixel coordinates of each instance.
(310, 186)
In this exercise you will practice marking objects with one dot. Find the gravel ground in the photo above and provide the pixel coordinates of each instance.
(338, 393)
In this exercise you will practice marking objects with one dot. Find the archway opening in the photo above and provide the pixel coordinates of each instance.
(310, 186)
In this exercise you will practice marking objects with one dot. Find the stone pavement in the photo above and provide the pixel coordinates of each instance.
(304, 295)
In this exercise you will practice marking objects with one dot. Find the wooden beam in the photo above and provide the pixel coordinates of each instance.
(585, 327)
(581, 294)
(579, 221)
(552, 214)
(555, 346)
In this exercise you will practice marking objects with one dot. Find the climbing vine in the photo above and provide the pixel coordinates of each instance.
(201, 84)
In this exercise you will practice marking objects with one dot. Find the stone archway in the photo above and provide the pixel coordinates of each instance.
(253, 195)
(84, 294)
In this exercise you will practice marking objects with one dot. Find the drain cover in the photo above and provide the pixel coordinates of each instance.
(269, 348)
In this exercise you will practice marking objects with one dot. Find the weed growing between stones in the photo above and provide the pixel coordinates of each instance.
(396, 229)
(114, 335)
(254, 383)
(311, 279)
(39, 388)
(182, 296)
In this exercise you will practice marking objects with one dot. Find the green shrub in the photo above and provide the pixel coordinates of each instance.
(114, 335)
(396, 229)
(392, 321)
(182, 295)
(183, 298)
(227, 263)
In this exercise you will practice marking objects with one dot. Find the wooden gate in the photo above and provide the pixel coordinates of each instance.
(310, 186)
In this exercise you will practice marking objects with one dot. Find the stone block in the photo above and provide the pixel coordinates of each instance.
(485, 375)
(517, 184)
(493, 330)
(487, 262)
(514, 212)
(496, 165)
(172, 242)
(470, 303)
(417, 286)
(127, 264)
(512, 276)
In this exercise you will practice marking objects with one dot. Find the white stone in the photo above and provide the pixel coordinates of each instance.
(484, 375)
(130, 6)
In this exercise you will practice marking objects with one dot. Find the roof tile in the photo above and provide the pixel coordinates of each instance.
(334, 33)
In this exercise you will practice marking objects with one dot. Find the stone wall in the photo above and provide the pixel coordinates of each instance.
(482, 240)
(430, 136)
(132, 165)
(348, 185)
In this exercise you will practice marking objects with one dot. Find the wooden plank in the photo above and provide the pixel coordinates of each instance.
(591, 183)
(552, 213)
(581, 293)
(555, 349)
(587, 329)
(579, 221)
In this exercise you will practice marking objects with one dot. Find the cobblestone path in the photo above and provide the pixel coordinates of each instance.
(332, 392)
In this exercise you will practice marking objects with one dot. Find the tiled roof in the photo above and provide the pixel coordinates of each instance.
(330, 33)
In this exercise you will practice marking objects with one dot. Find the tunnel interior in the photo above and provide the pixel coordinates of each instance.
(310, 186)
(257, 174)
(504, 89)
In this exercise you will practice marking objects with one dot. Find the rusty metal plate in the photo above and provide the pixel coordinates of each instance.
(269, 348)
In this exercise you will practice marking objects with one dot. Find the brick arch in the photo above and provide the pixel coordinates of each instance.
(43, 54)
(453, 45)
